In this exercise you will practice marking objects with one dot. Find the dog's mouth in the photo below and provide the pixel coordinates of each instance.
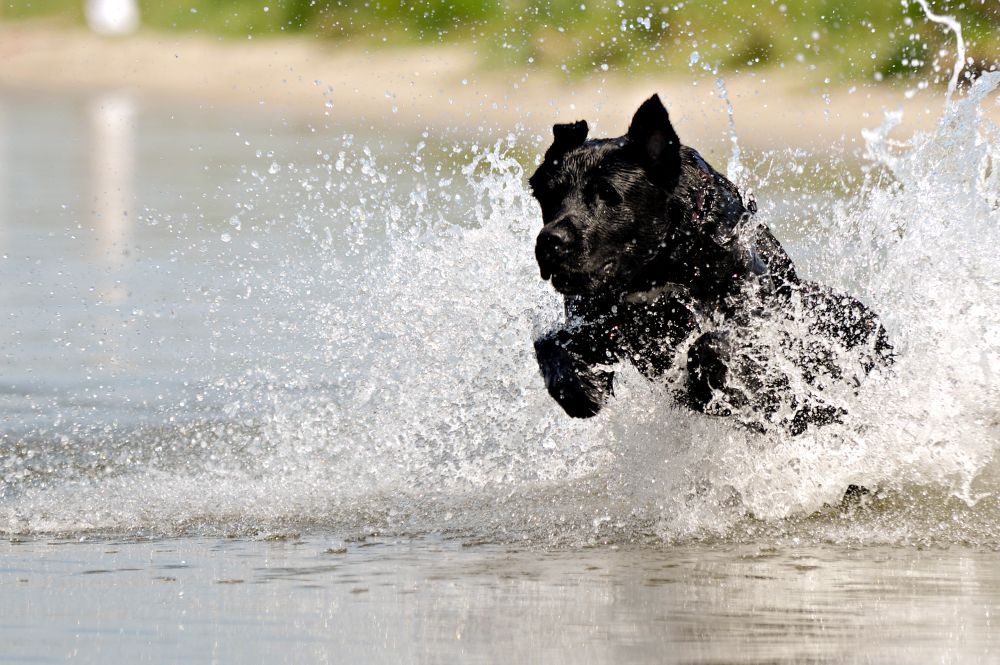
(570, 283)
(573, 282)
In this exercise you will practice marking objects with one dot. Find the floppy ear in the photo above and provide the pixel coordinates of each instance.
(655, 142)
(564, 138)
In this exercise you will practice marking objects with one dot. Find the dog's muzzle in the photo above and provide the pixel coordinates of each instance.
(553, 247)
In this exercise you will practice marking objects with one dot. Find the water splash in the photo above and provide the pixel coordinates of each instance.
(735, 170)
(379, 372)
(951, 24)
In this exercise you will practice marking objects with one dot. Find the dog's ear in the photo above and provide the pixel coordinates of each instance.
(564, 138)
(655, 143)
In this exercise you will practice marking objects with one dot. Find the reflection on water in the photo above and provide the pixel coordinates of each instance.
(112, 124)
(376, 601)
(112, 219)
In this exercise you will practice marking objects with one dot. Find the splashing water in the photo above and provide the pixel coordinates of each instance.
(956, 28)
(734, 167)
(384, 380)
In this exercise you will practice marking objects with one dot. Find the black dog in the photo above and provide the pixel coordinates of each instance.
(660, 263)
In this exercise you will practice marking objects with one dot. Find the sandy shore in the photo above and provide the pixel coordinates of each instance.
(438, 87)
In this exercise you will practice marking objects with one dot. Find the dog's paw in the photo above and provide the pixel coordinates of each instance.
(582, 395)
(578, 388)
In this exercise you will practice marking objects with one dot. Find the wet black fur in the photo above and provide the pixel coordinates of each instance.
(661, 263)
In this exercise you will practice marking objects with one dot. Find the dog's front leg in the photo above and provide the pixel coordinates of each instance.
(708, 371)
(723, 379)
(567, 361)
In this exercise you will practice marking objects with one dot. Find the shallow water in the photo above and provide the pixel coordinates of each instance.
(432, 600)
(220, 331)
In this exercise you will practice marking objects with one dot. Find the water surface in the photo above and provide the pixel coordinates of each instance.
(267, 388)
(431, 600)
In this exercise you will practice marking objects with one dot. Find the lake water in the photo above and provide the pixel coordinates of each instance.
(434, 600)
(267, 393)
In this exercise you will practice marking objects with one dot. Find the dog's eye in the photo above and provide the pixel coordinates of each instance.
(607, 193)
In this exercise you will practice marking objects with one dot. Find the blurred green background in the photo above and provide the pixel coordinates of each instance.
(843, 41)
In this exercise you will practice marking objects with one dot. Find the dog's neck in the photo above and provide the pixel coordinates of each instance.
(709, 211)
(705, 195)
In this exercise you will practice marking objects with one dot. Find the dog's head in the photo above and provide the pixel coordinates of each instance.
(604, 201)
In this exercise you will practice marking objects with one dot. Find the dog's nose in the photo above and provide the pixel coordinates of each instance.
(554, 242)
(553, 247)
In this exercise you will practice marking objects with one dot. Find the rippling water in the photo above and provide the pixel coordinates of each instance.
(431, 600)
(219, 328)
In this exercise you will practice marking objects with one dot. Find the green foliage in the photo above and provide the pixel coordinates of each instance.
(68, 10)
(845, 40)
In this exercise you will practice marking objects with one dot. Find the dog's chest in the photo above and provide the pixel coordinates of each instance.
(651, 329)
